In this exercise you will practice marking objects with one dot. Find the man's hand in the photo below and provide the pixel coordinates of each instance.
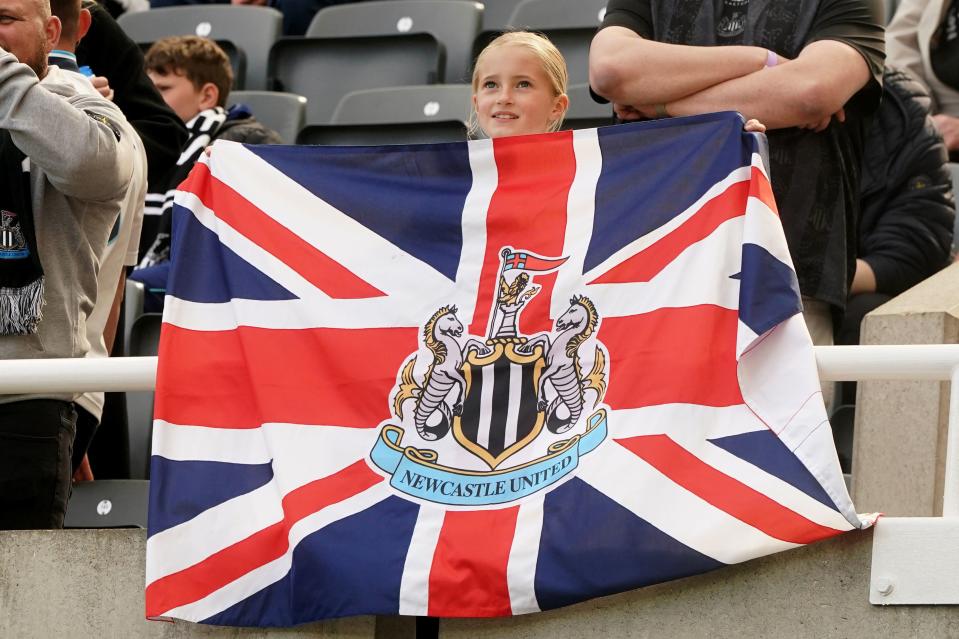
(949, 127)
(102, 85)
(83, 472)
(864, 281)
(628, 113)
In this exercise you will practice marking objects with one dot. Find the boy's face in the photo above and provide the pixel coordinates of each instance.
(179, 93)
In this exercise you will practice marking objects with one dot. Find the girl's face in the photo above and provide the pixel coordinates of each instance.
(514, 95)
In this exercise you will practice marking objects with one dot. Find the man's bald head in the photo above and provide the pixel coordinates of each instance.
(29, 31)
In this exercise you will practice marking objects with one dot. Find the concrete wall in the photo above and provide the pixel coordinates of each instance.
(815, 592)
(69, 584)
(89, 583)
(899, 442)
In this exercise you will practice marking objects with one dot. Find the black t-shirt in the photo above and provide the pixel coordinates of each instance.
(815, 176)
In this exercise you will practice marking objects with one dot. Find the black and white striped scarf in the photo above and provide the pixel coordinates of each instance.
(158, 210)
(21, 274)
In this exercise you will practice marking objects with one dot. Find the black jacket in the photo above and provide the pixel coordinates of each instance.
(109, 52)
(908, 210)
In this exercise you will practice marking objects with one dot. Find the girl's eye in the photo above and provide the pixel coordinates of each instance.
(524, 84)
(489, 84)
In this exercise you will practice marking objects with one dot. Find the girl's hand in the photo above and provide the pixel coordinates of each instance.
(754, 126)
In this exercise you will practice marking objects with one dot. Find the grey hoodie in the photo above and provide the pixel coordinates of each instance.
(80, 149)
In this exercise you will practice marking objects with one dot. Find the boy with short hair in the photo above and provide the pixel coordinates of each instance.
(194, 77)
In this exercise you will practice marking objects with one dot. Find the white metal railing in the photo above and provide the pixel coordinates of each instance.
(836, 363)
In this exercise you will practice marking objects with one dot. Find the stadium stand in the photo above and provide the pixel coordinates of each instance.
(570, 24)
(323, 70)
(584, 112)
(144, 341)
(132, 309)
(454, 23)
(496, 14)
(285, 113)
(108, 503)
(398, 115)
(246, 33)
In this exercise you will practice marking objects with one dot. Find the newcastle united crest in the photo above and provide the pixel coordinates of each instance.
(488, 420)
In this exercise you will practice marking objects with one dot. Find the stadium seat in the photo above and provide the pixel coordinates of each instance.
(424, 103)
(497, 13)
(378, 134)
(584, 112)
(570, 24)
(397, 115)
(285, 113)
(144, 341)
(250, 30)
(454, 23)
(325, 69)
(133, 298)
(108, 503)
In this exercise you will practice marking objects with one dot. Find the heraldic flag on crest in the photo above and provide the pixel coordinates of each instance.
(480, 379)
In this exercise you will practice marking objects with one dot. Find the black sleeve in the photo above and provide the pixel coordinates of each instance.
(912, 236)
(631, 14)
(857, 23)
(109, 52)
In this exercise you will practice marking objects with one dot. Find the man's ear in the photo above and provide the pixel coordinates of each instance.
(83, 23)
(52, 32)
(209, 96)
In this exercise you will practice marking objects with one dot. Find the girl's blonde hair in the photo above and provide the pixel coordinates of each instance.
(539, 45)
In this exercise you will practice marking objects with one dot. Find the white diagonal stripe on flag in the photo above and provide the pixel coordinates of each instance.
(674, 510)
(330, 231)
(741, 174)
(269, 573)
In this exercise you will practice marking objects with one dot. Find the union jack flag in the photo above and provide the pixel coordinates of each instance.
(368, 404)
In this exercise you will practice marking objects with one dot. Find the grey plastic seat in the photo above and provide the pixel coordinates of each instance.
(252, 30)
(381, 134)
(108, 503)
(454, 23)
(423, 103)
(285, 113)
(497, 13)
(396, 115)
(570, 24)
(584, 112)
(144, 341)
(323, 70)
(133, 298)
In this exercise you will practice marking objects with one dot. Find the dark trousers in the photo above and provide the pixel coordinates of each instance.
(36, 441)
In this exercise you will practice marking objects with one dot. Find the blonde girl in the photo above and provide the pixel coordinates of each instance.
(519, 86)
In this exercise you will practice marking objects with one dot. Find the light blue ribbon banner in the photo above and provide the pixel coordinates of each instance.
(416, 472)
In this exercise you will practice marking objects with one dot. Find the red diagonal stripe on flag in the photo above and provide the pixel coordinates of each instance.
(673, 355)
(316, 267)
(722, 491)
(731, 203)
(221, 568)
(527, 212)
(250, 376)
(468, 574)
